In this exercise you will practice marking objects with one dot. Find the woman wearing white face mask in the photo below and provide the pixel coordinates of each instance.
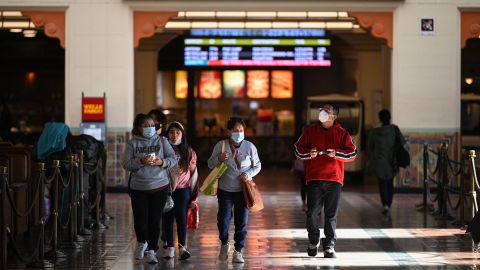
(185, 193)
(147, 156)
(243, 164)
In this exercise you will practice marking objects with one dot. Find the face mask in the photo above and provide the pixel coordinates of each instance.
(237, 136)
(148, 132)
(175, 143)
(323, 116)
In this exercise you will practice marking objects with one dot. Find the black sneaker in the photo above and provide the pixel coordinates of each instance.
(329, 253)
(312, 250)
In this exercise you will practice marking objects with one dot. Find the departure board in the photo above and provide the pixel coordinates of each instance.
(256, 52)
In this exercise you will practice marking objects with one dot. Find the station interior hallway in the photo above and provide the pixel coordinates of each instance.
(277, 238)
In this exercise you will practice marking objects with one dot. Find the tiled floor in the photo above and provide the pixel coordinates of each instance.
(277, 238)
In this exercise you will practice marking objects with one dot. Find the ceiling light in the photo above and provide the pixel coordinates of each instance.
(29, 35)
(204, 24)
(231, 25)
(200, 14)
(469, 81)
(12, 14)
(181, 14)
(231, 14)
(316, 14)
(261, 14)
(15, 30)
(181, 25)
(339, 25)
(312, 25)
(16, 24)
(258, 25)
(283, 14)
(342, 14)
(285, 24)
(30, 31)
(356, 26)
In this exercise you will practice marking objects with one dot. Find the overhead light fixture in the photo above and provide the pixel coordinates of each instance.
(292, 14)
(322, 14)
(258, 25)
(231, 24)
(311, 25)
(200, 14)
(356, 26)
(204, 24)
(339, 25)
(285, 24)
(231, 14)
(16, 24)
(15, 30)
(261, 14)
(342, 14)
(469, 80)
(12, 14)
(178, 25)
(181, 14)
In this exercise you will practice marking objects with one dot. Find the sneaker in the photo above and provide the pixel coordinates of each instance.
(237, 257)
(151, 256)
(329, 253)
(224, 249)
(140, 252)
(312, 250)
(184, 254)
(169, 253)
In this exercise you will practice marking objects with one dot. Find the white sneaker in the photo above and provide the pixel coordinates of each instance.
(237, 257)
(184, 253)
(169, 253)
(151, 256)
(224, 249)
(140, 252)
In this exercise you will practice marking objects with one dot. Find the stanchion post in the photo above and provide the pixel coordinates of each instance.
(461, 209)
(56, 165)
(3, 225)
(72, 224)
(472, 192)
(82, 194)
(41, 201)
(425, 175)
(445, 180)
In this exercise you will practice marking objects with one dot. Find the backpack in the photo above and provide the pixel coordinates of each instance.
(401, 156)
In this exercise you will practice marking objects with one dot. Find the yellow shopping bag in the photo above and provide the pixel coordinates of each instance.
(210, 184)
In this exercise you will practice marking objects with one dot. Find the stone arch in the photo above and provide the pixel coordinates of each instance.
(145, 23)
(379, 23)
(53, 23)
(470, 26)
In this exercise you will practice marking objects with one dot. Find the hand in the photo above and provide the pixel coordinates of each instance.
(244, 177)
(157, 162)
(146, 160)
(192, 205)
(331, 152)
(223, 156)
(313, 153)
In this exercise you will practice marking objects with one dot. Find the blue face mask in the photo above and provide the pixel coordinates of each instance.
(148, 132)
(237, 137)
(175, 143)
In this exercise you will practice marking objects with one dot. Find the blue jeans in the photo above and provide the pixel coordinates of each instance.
(181, 200)
(227, 201)
(322, 194)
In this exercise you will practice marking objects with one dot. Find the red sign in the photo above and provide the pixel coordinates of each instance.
(93, 109)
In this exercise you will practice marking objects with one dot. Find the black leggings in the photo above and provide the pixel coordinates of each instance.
(181, 199)
(386, 191)
(147, 213)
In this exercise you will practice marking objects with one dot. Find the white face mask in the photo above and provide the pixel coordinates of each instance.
(323, 116)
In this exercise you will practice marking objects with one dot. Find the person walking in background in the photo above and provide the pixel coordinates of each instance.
(298, 169)
(325, 146)
(380, 153)
(243, 163)
(147, 156)
(185, 192)
(160, 120)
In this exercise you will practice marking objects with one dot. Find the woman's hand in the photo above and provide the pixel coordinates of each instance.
(223, 156)
(157, 162)
(244, 177)
(146, 160)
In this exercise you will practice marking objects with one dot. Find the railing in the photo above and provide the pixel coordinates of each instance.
(449, 178)
(64, 216)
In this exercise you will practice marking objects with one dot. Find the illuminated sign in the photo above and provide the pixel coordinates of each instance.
(258, 32)
(257, 52)
(93, 109)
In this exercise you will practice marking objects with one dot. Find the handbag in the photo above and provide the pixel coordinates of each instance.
(210, 184)
(402, 157)
(193, 216)
(252, 196)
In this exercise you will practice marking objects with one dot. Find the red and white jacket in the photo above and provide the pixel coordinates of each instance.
(323, 167)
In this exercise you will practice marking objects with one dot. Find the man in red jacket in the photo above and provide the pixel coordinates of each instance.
(325, 146)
